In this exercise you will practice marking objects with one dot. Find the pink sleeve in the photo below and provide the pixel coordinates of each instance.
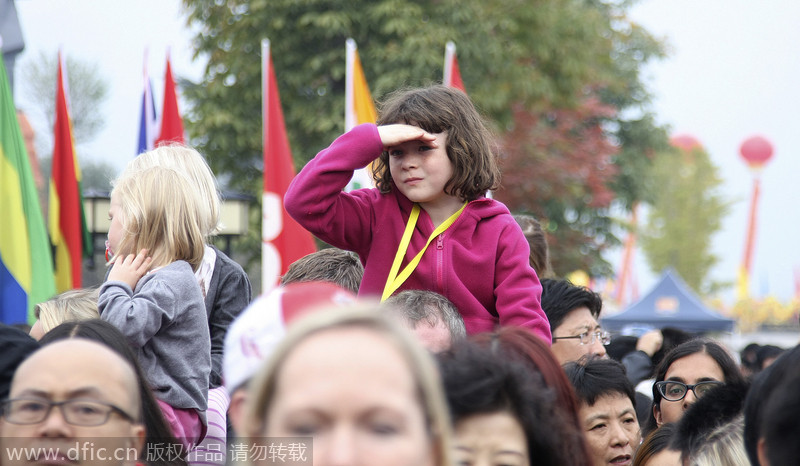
(518, 292)
(315, 198)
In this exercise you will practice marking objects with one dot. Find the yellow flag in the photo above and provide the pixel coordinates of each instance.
(743, 284)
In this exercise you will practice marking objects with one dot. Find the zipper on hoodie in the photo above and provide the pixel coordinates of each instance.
(440, 262)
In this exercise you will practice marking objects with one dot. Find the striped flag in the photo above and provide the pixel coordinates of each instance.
(452, 74)
(358, 108)
(171, 123)
(68, 232)
(26, 266)
(148, 120)
(283, 240)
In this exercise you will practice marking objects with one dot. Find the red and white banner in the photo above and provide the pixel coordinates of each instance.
(283, 240)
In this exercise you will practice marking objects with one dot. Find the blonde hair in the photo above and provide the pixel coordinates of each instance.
(192, 164)
(71, 305)
(724, 446)
(161, 213)
(420, 362)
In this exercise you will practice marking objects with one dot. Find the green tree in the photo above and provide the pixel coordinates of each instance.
(686, 212)
(88, 90)
(523, 63)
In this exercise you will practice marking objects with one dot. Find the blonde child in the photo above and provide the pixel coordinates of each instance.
(428, 224)
(69, 306)
(152, 296)
(225, 285)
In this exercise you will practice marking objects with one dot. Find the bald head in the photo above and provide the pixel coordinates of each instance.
(79, 368)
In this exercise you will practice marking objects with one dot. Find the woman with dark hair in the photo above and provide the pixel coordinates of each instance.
(520, 345)
(685, 374)
(159, 438)
(769, 392)
(607, 409)
(502, 412)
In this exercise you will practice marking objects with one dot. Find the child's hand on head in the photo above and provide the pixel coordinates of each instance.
(131, 268)
(392, 135)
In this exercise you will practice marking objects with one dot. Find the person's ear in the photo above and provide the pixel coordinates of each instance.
(236, 410)
(657, 415)
(137, 441)
(761, 449)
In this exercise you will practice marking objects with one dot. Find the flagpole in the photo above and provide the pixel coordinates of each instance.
(268, 252)
(349, 86)
(449, 53)
(358, 108)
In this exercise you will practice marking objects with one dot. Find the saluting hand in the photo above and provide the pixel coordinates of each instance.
(392, 135)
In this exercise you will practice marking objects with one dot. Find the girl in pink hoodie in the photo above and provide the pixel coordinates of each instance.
(428, 224)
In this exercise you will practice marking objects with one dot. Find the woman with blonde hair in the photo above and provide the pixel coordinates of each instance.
(724, 446)
(360, 386)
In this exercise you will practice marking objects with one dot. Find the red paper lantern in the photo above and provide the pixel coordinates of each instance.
(685, 142)
(756, 151)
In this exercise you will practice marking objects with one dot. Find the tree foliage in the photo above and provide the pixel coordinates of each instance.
(686, 211)
(558, 166)
(558, 80)
(87, 92)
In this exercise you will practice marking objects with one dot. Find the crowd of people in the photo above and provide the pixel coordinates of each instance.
(424, 336)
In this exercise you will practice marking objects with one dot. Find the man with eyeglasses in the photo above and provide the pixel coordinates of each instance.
(573, 312)
(72, 402)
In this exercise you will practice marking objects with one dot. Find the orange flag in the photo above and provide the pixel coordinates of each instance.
(68, 232)
(283, 240)
(171, 123)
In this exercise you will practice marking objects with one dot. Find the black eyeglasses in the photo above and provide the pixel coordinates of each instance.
(75, 412)
(587, 338)
(676, 391)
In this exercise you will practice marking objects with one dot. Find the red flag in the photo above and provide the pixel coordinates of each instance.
(171, 123)
(283, 240)
(68, 231)
(747, 260)
(452, 75)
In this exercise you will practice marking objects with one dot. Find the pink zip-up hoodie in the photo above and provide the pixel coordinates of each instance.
(480, 263)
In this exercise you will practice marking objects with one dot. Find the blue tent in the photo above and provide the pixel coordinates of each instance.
(671, 303)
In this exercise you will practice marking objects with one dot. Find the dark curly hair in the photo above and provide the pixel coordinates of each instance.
(477, 381)
(520, 345)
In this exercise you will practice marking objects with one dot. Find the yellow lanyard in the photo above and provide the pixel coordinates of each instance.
(393, 281)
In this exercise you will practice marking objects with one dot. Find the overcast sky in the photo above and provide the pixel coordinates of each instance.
(733, 72)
